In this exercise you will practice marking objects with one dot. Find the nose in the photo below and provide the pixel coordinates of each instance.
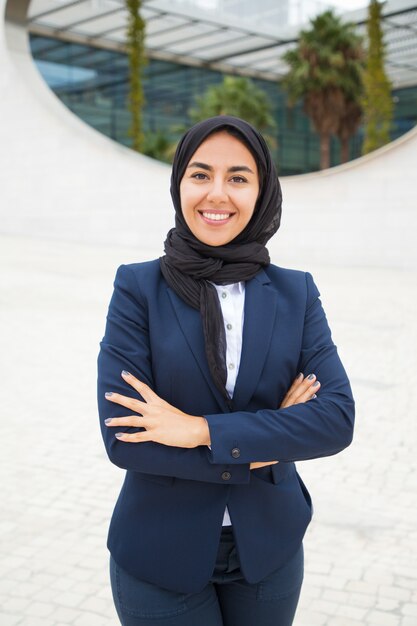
(217, 191)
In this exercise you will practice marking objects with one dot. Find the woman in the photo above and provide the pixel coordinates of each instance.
(208, 388)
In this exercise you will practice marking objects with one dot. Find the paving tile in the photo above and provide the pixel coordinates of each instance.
(65, 615)
(362, 600)
(409, 610)
(40, 609)
(324, 606)
(380, 618)
(351, 612)
(340, 597)
(69, 599)
(32, 621)
(396, 593)
(7, 619)
(341, 621)
(310, 618)
(91, 619)
(408, 621)
(96, 605)
(387, 604)
(15, 605)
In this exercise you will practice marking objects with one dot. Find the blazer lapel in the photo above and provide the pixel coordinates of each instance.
(260, 313)
(189, 320)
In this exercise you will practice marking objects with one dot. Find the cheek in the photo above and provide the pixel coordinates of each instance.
(189, 198)
(247, 205)
(185, 204)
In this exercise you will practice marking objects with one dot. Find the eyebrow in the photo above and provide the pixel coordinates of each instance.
(209, 168)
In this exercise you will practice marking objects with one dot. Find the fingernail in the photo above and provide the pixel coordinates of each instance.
(300, 375)
(118, 435)
(108, 420)
(316, 384)
(108, 394)
(125, 373)
(310, 377)
(314, 397)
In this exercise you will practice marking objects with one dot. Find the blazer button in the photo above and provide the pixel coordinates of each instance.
(226, 476)
(235, 453)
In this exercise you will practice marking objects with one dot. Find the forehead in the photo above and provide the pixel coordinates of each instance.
(223, 147)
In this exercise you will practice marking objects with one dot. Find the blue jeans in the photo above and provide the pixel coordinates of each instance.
(227, 600)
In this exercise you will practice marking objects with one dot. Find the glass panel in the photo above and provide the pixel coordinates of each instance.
(93, 83)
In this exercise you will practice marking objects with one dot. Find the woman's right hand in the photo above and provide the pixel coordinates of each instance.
(302, 390)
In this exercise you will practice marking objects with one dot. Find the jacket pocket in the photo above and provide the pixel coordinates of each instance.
(281, 471)
(273, 474)
(305, 492)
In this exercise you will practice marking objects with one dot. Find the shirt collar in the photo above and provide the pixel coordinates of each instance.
(232, 288)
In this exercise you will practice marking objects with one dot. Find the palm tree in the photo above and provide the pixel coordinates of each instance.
(348, 125)
(325, 73)
(240, 97)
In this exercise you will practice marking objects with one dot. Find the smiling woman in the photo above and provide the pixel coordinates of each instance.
(216, 373)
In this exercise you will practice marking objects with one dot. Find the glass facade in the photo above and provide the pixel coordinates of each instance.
(93, 83)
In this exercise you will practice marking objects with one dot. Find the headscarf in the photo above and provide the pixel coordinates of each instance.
(190, 266)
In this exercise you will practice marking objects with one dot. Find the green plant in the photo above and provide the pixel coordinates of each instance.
(240, 97)
(158, 146)
(325, 73)
(377, 100)
(136, 55)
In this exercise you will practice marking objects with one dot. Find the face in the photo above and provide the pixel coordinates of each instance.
(219, 189)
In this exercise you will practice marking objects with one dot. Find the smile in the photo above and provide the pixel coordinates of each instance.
(219, 218)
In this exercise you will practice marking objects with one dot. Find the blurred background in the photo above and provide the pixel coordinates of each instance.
(94, 96)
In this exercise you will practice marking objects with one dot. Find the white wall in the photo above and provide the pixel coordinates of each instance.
(362, 213)
(61, 179)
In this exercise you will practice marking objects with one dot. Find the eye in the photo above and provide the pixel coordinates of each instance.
(238, 179)
(199, 176)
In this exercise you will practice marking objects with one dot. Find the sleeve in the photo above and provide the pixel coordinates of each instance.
(126, 345)
(317, 428)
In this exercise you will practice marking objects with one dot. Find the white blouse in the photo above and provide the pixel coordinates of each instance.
(232, 303)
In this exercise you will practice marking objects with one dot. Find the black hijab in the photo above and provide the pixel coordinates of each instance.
(189, 265)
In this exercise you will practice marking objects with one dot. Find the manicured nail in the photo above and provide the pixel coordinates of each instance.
(108, 394)
(125, 373)
(316, 384)
(310, 377)
(118, 435)
(314, 397)
(300, 375)
(108, 420)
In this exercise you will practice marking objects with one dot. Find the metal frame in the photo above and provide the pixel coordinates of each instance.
(210, 55)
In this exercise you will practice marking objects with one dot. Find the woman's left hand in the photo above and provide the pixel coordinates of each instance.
(163, 422)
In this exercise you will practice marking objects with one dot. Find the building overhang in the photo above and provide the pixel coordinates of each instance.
(176, 31)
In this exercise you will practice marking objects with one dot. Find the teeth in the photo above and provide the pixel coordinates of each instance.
(216, 216)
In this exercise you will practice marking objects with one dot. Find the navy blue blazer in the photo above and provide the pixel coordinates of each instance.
(167, 521)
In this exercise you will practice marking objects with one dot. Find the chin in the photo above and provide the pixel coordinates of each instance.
(215, 242)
